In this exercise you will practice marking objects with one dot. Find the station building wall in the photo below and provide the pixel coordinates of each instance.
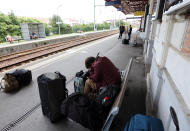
(170, 71)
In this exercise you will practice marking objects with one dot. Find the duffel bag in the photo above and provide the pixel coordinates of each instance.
(80, 109)
(16, 79)
(23, 76)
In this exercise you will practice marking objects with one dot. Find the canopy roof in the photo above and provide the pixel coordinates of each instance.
(130, 6)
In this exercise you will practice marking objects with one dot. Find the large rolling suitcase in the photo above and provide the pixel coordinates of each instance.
(141, 122)
(52, 92)
(125, 41)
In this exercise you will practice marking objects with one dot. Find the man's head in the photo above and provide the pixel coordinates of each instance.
(89, 61)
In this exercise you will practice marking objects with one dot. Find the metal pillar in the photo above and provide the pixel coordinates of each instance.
(58, 22)
(94, 16)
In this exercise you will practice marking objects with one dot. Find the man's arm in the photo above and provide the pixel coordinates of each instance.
(95, 74)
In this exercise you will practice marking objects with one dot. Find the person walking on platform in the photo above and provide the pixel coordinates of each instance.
(102, 73)
(121, 30)
(129, 32)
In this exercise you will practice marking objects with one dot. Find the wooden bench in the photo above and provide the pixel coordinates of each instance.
(14, 38)
(117, 103)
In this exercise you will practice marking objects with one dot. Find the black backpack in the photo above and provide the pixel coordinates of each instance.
(105, 99)
(80, 109)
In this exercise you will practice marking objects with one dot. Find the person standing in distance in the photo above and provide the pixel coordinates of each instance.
(129, 32)
(121, 30)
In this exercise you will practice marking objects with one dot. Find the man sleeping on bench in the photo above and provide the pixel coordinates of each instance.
(102, 73)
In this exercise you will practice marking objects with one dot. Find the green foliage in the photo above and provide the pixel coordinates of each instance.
(48, 29)
(121, 22)
(90, 27)
(3, 31)
(13, 19)
(55, 27)
(10, 24)
(103, 26)
(64, 28)
(28, 20)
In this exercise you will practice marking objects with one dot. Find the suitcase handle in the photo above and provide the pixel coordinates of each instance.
(174, 118)
(1, 86)
(57, 72)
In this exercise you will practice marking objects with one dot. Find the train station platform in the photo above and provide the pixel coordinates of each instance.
(21, 110)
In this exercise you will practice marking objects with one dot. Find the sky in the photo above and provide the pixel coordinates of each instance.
(77, 9)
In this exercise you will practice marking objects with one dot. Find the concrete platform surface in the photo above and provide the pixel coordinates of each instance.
(15, 105)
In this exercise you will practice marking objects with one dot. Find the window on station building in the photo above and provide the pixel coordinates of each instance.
(170, 3)
(164, 5)
(160, 9)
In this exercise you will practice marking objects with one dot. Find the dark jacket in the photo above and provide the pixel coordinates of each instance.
(130, 30)
(122, 28)
(103, 73)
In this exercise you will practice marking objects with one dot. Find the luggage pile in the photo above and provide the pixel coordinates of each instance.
(57, 104)
(85, 111)
(90, 114)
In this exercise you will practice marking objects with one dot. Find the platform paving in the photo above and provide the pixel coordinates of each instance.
(68, 63)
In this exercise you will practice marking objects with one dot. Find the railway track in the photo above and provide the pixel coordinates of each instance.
(14, 59)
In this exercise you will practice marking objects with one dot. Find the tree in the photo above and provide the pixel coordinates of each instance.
(64, 28)
(13, 19)
(48, 29)
(55, 27)
(10, 24)
(4, 21)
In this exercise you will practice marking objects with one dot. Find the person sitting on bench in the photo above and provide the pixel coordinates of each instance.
(9, 38)
(102, 73)
(33, 36)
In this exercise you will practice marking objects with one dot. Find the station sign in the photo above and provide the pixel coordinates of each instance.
(59, 23)
(115, 2)
(139, 13)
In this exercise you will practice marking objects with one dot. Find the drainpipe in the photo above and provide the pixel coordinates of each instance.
(148, 47)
